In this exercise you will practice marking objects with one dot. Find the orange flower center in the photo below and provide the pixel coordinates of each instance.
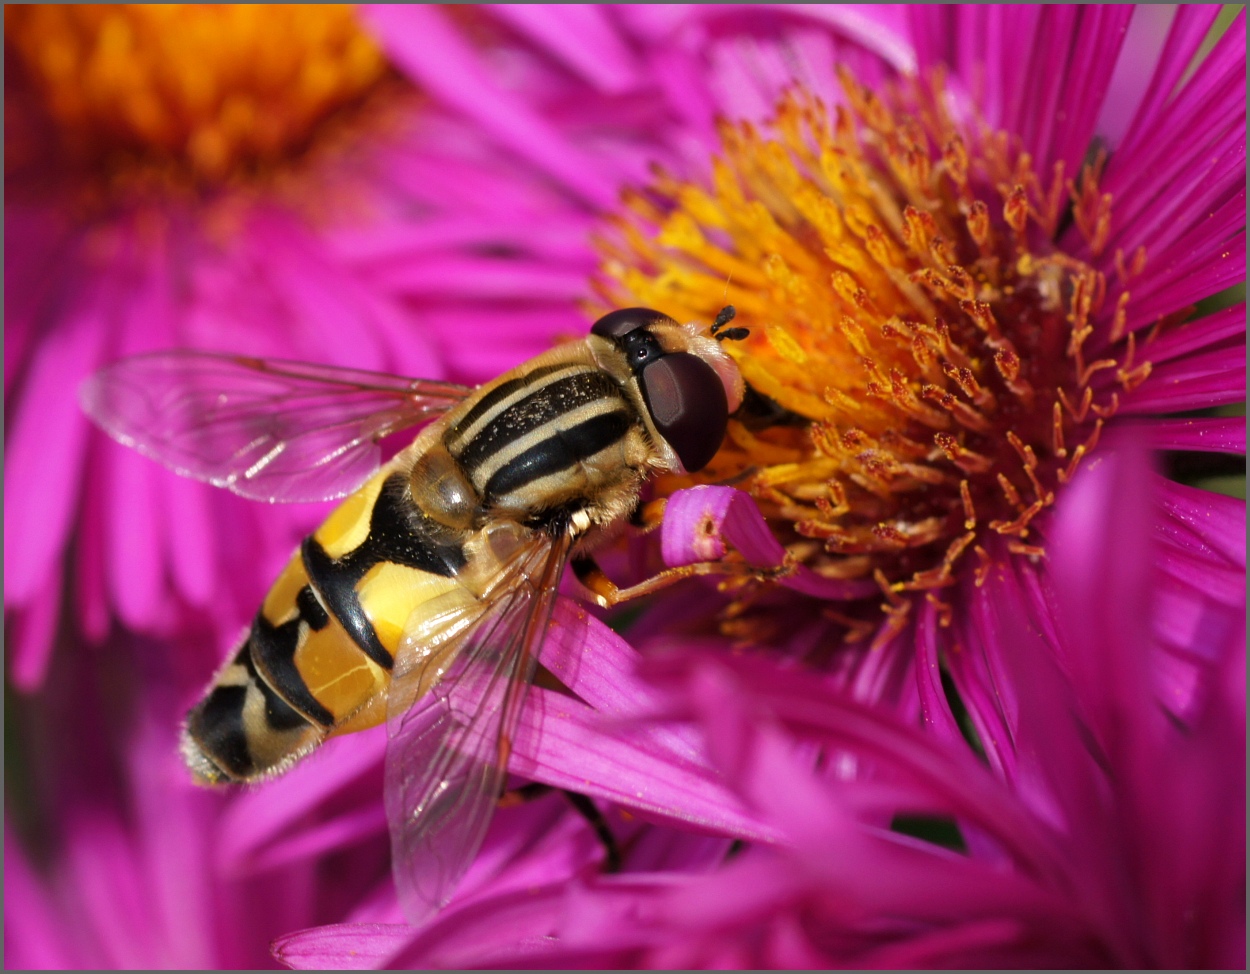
(906, 300)
(211, 89)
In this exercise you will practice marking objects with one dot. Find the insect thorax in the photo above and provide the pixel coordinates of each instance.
(553, 438)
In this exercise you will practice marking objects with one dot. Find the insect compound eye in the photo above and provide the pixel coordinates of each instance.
(617, 324)
(687, 403)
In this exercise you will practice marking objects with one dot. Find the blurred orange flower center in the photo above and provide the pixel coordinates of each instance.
(904, 297)
(210, 88)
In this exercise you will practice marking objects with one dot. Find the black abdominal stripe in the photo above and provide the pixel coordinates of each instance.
(262, 687)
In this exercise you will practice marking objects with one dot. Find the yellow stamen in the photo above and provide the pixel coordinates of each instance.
(206, 88)
(904, 295)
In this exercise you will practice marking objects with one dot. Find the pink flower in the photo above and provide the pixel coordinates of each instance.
(328, 242)
(114, 861)
(703, 62)
(589, 103)
(1119, 844)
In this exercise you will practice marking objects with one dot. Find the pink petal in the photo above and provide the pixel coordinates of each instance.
(453, 233)
(878, 29)
(1220, 435)
(975, 659)
(190, 540)
(90, 591)
(602, 669)
(938, 718)
(342, 947)
(1192, 277)
(1186, 558)
(580, 36)
(950, 780)
(33, 932)
(132, 543)
(423, 44)
(1219, 520)
(698, 522)
(565, 744)
(313, 841)
(1195, 224)
(484, 276)
(490, 933)
(45, 446)
(33, 635)
(1196, 382)
(261, 817)
(313, 290)
(527, 846)
(1141, 54)
(173, 819)
(1188, 30)
(116, 909)
(667, 850)
(1087, 42)
(1016, 28)
(1208, 100)
(1219, 330)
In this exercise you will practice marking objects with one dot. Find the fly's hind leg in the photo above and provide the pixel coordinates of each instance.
(587, 809)
(584, 806)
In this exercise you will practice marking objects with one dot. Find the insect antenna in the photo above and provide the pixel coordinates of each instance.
(725, 316)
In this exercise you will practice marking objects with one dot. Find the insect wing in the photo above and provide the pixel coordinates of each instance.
(450, 732)
(265, 429)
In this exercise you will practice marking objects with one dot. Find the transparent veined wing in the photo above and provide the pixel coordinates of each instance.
(451, 717)
(266, 429)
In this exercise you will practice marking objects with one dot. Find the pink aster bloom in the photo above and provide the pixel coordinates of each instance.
(918, 474)
(114, 861)
(1121, 843)
(698, 64)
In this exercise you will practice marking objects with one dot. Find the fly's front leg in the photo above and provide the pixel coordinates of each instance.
(607, 593)
(649, 515)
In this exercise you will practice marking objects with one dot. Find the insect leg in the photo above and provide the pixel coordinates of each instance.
(648, 515)
(526, 793)
(607, 593)
(611, 851)
(584, 806)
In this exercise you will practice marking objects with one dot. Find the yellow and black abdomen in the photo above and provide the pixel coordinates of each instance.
(318, 658)
(551, 439)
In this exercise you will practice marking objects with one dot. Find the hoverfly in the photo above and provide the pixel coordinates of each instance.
(423, 597)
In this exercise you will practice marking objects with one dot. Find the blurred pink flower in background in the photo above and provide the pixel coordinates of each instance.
(131, 237)
(437, 220)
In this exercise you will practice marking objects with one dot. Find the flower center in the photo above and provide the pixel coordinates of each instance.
(211, 89)
(907, 301)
